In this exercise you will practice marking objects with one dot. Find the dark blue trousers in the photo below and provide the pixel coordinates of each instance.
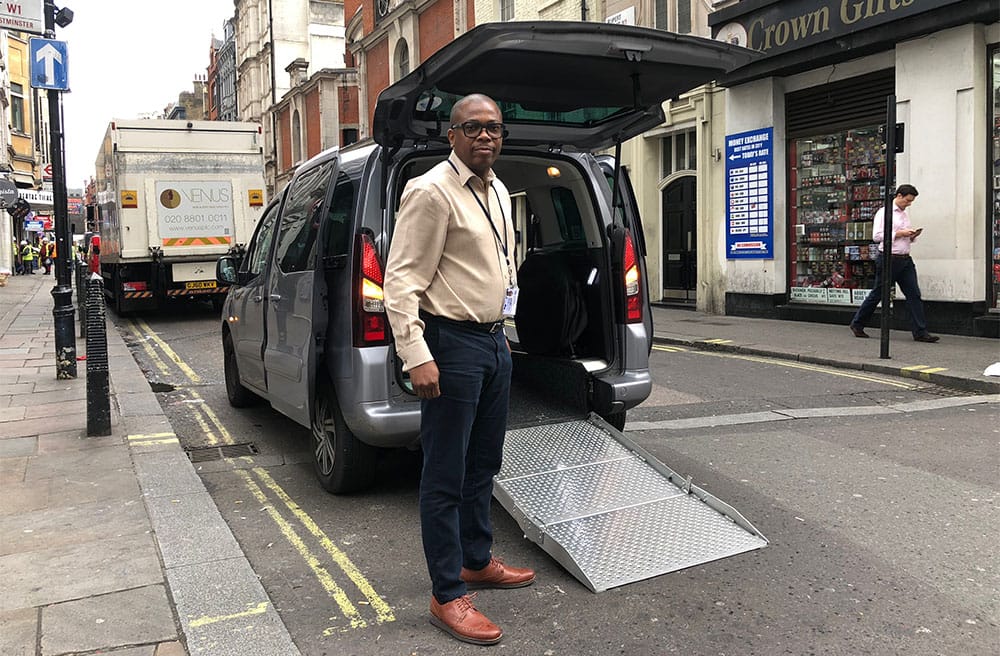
(462, 434)
(904, 274)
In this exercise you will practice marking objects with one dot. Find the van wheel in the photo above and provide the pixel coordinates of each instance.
(239, 396)
(343, 462)
(616, 419)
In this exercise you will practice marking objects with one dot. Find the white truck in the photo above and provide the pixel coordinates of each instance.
(172, 196)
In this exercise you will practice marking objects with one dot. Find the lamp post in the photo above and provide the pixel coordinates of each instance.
(63, 312)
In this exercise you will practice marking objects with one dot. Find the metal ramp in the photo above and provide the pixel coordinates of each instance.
(608, 511)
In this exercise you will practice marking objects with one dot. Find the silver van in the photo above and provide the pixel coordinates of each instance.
(304, 327)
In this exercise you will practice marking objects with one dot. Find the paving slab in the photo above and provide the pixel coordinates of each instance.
(70, 572)
(18, 632)
(66, 525)
(118, 619)
(15, 447)
(78, 465)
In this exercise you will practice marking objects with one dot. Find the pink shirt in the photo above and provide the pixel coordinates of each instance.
(900, 221)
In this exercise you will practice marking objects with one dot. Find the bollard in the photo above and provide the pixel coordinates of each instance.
(98, 388)
(81, 295)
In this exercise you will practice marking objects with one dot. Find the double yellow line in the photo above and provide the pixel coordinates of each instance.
(259, 483)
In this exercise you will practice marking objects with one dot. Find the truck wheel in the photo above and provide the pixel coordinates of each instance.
(239, 396)
(343, 462)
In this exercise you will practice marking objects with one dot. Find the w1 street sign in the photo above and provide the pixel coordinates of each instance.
(23, 15)
(49, 63)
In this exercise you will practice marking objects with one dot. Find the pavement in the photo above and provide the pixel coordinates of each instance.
(110, 544)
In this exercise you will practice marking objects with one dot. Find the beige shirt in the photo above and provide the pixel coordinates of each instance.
(445, 257)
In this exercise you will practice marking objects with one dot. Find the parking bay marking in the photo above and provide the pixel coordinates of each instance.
(798, 365)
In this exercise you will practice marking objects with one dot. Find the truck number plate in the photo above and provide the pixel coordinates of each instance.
(200, 284)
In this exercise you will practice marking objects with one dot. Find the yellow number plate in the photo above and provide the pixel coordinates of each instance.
(200, 284)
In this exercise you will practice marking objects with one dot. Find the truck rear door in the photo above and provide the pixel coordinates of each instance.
(292, 319)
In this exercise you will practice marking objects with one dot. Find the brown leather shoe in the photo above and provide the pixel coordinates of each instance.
(461, 619)
(497, 575)
(859, 331)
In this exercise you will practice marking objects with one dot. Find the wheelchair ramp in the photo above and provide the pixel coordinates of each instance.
(608, 511)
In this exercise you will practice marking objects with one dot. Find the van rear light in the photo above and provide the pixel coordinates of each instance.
(134, 286)
(370, 323)
(633, 298)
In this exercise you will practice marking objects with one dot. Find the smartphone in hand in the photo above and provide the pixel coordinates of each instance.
(916, 232)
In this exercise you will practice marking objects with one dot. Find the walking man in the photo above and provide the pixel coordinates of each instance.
(450, 281)
(903, 273)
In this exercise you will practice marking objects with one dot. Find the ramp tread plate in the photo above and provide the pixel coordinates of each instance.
(557, 446)
(555, 496)
(675, 533)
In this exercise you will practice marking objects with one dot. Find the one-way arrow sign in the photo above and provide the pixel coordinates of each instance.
(49, 63)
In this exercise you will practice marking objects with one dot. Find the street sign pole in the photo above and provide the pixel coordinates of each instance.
(63, 312)
(890, 177)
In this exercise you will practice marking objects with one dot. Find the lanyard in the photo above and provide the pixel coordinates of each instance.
(489, 219)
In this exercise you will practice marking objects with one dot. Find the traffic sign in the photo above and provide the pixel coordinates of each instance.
(46, 171)
(8, 194)
(49, 64)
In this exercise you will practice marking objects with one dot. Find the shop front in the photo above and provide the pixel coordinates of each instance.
(820, 92)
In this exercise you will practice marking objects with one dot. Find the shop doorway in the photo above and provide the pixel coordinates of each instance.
(680, 240)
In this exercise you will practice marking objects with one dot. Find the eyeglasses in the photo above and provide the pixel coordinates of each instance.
(473, 129)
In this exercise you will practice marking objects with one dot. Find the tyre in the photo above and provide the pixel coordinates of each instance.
(239, 396)
(343, 463)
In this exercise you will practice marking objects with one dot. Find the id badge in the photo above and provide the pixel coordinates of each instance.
(510, 301)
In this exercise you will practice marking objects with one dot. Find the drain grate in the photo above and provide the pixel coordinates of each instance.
(207, 453)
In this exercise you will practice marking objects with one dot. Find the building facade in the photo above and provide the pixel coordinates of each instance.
(270, 35)
(386, 39)
(225, 100)
(818, 100)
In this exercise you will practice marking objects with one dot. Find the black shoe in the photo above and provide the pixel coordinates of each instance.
(859, 331)
(926, 337)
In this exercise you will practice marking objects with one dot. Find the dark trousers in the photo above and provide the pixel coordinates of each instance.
(904, 274)
(462, 434)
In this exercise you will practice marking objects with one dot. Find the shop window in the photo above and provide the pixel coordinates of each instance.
(16, 107)
(994, 276)
(837, 185)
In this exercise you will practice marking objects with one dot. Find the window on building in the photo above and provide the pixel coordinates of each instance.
(660, 15)
(679, 153)
(16, 107)
(506, 10)
(350, 135)
(402, 59)
(683, 17)
(296, 138)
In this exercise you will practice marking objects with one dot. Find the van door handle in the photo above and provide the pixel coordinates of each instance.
(257, 299)
(274, 298)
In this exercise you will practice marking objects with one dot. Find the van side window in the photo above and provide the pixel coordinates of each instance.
(301, 219)
(568, 215)
(338, 235)
(256, 257)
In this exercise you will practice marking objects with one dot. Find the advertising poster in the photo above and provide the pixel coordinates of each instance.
(749, 195)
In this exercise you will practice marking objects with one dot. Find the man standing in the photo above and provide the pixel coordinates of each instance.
(904, 273)
(450, 281)
(28, 257)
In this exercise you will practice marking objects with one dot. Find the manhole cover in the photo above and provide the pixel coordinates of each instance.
(206, 453)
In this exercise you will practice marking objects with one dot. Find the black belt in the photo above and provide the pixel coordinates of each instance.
(492, 327)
